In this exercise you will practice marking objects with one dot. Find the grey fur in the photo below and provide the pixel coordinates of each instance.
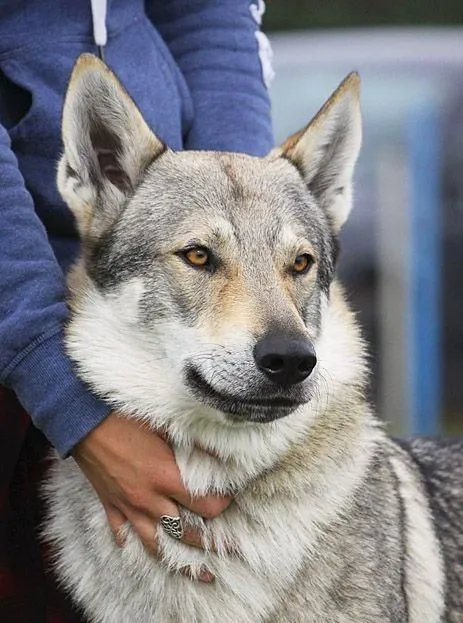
(333, 521)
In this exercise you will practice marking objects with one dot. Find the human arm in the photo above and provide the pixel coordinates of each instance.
(33, 361)
(214, 43)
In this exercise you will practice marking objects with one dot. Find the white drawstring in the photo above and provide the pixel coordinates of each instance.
(265, 49)
(100, 33)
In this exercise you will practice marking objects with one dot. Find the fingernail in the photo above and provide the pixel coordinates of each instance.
(206, 576)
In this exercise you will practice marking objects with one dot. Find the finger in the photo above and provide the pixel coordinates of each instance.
(146, 531)
(203, 576)
(209, 506)
(146, 526)
(118, 524)
(192, 538)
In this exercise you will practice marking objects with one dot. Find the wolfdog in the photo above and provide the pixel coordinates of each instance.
(205, 303)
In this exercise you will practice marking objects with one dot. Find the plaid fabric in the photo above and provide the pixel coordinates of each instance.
(28, 591)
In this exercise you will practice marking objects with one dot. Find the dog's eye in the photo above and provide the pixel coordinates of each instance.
(302, 263)
(197, 256)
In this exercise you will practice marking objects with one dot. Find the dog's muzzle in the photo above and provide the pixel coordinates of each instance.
(262, 406)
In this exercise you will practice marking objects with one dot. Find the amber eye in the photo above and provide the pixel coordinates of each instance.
(197, 256)
(302, 263)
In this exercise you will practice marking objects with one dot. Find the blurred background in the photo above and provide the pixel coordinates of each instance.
(402, 249)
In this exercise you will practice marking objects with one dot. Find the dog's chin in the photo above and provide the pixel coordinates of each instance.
(241, 408)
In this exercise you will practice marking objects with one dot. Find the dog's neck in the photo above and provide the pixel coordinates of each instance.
(215, 457)
(330, 439)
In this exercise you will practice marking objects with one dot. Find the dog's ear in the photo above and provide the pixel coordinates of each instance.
(326, 150)
(107, 146)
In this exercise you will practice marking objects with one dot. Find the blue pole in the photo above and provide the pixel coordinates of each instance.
(425, 264)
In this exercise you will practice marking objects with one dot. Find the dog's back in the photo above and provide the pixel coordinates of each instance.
(440, 463)
(395, 551)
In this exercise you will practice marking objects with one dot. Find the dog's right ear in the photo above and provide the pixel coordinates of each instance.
(107, 146)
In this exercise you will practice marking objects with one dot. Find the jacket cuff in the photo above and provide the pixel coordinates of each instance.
(58, 402)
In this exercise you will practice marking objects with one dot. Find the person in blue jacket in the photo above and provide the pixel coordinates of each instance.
(197, 69)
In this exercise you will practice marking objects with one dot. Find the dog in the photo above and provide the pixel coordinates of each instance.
(205, 304)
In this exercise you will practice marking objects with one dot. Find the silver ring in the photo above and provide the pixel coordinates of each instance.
(172, 526)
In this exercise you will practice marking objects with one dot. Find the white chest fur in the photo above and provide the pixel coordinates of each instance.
(272, 524)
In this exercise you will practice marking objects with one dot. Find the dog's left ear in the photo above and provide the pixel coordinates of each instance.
(326, 150)
(107, 146)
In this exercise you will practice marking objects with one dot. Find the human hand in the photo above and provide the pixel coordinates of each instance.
(134, 472)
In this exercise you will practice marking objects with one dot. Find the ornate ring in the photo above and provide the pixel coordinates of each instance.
(172, 526)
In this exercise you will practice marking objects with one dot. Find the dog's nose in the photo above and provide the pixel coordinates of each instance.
(284, 360)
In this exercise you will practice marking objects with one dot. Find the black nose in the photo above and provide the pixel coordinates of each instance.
(285, 360)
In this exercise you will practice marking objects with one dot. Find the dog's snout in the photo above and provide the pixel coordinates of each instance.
(285, 361)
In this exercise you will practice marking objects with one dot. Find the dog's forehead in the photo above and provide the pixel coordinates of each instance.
(246, 209)
(227, 194)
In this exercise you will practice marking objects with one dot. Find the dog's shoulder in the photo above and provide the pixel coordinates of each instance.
(440, 463)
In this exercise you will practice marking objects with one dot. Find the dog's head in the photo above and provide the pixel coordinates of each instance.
(208, 272)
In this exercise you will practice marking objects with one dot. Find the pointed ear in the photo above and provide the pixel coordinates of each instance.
(107, 146)
(326, 150)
